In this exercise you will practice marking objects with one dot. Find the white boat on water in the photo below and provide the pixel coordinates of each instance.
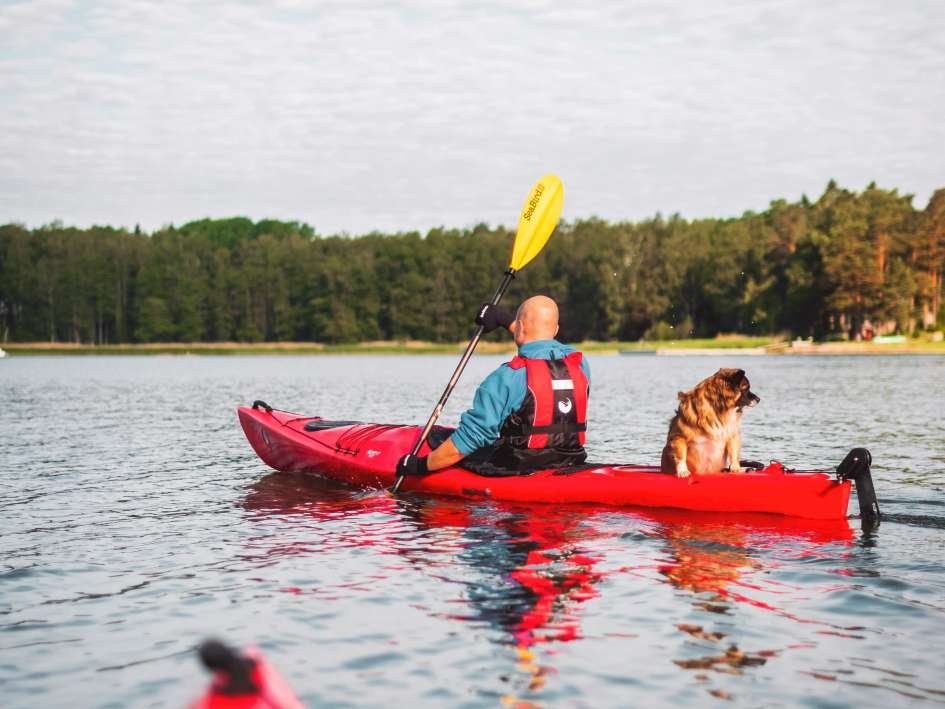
(2, 353)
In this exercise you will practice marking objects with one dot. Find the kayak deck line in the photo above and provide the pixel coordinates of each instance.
(365, 455)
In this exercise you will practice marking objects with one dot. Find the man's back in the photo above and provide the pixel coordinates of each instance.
(529, 413)
(502, 393)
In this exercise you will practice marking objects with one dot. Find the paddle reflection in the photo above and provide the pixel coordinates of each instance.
(527, 570)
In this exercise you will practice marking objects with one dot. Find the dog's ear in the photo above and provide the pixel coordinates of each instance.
(735, 376)
(681, 395)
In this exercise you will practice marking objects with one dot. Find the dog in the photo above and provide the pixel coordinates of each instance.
(705, 432)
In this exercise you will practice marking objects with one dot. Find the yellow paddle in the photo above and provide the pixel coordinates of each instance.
(539, 218)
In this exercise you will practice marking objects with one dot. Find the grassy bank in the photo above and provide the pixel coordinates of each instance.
(770, 345)
(725, 342)
(245, 348)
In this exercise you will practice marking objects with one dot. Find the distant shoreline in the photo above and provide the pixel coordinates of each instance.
(734, 345)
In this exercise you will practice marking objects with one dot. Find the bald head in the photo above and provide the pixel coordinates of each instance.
(536, 319)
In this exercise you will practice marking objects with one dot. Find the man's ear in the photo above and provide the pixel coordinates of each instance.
(557, 327)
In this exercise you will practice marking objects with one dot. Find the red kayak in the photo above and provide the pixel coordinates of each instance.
(366, 454)
(242, 681)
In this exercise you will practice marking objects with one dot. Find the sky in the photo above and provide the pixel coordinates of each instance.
(409, 114)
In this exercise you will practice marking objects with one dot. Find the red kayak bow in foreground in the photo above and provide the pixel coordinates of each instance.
(366, 454)
(242, 681)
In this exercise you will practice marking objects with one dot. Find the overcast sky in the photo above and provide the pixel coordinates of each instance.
(407, 114)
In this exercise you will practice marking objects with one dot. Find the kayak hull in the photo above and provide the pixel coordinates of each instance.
(365, 455)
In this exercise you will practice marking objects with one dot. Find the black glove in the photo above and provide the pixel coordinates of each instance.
(412, 465)
(492, 316)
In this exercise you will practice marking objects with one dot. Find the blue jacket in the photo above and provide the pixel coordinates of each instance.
(501, 393)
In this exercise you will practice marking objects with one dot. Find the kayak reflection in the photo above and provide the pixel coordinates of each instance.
(524, 571)
(710, 554)
(717, 558)
(527, 570)
(526, 574)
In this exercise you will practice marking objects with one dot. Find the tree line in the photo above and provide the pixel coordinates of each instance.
(826, 268)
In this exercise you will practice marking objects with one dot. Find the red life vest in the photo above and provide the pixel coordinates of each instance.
(554, 411)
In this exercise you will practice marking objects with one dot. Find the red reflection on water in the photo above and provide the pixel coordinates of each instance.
(544, 551)
(712, 555)
(715, 556)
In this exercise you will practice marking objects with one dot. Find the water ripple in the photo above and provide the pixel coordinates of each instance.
(146, 523)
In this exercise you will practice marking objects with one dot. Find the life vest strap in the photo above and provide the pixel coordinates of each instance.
(555, 428)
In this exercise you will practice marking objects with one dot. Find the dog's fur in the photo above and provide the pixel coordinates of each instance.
(705, 432)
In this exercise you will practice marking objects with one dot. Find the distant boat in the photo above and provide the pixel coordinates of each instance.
(2, 353)
(637, 352)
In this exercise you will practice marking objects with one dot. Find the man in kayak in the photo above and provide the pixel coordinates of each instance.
(530, 413)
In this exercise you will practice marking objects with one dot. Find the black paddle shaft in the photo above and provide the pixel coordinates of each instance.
(438, 409)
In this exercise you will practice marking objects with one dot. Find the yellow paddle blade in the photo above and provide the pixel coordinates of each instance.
(539, 218)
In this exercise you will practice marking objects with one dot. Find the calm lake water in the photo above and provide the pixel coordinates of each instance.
(136, 521)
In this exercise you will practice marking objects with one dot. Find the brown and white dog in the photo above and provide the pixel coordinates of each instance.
(706, 430)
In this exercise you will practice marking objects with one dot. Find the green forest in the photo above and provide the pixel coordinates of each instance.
(824, 269)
